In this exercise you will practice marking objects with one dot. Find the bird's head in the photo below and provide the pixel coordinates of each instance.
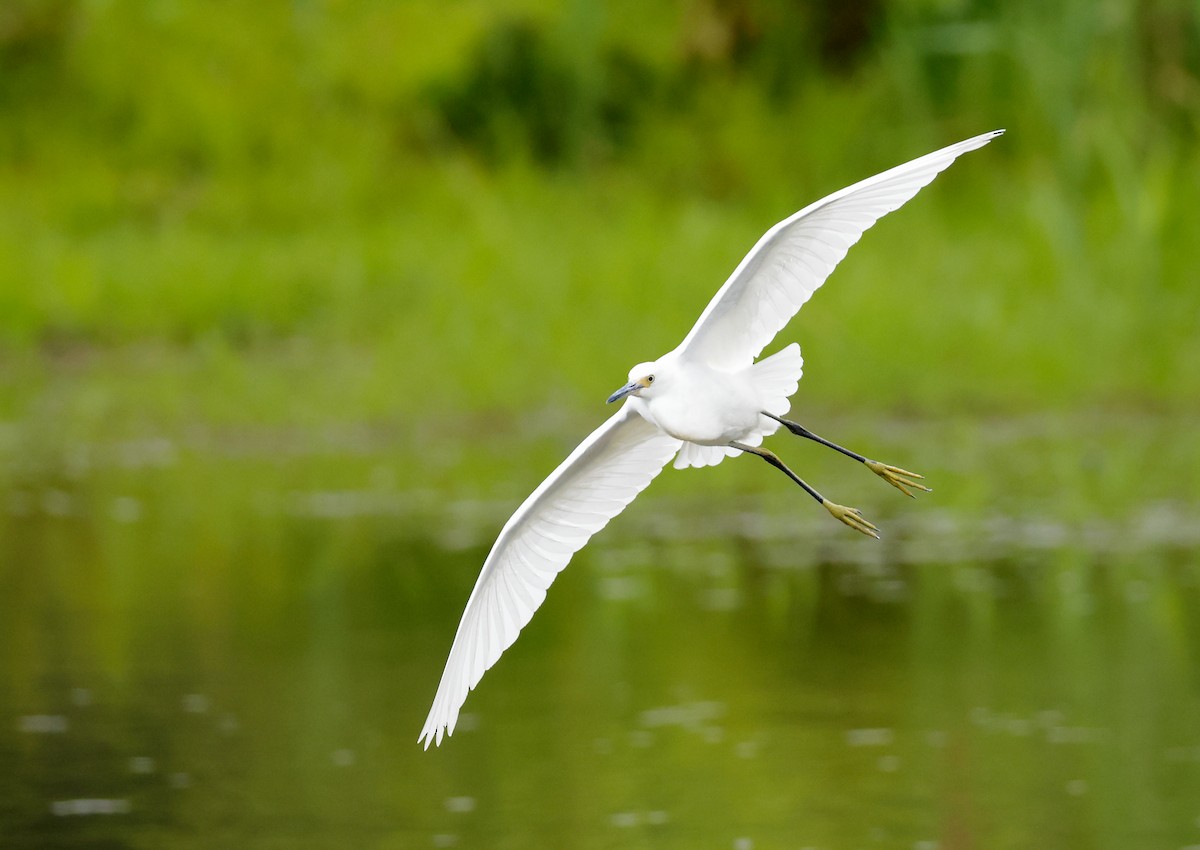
(642, 378)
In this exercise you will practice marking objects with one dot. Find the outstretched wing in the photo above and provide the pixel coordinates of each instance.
(594, 484)
(795, 257)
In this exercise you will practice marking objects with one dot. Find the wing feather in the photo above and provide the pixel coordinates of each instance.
(589, 488)
(795, 257)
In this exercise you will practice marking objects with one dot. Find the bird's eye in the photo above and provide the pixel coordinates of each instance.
(649, 379)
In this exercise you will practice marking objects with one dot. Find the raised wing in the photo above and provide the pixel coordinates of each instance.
(795, 257)
(594, 484)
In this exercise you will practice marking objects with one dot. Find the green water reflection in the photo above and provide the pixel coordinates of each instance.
(204, 648)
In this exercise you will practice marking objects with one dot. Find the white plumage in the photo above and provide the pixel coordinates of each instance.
(692, 404)
(594, 484)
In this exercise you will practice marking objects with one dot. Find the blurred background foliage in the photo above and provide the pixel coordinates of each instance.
(390, 208)
(299, 299)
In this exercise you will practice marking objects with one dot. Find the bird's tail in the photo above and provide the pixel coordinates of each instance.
(776, 378)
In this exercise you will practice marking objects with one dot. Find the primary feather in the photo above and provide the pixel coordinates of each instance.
(794, 258)
(589, 488)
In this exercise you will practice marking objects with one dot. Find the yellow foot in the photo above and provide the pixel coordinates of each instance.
(852, 517)
(899, 478)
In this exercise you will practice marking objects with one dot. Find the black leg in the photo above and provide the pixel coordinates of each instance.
(899, 478)
(773, 459)
(850, 516)
(800, 431)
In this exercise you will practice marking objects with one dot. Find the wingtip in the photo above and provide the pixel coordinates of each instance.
(434, 734)
(972, 143)
(428, 737)
(984, 138)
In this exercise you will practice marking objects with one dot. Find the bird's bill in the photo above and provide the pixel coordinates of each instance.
(624, 391)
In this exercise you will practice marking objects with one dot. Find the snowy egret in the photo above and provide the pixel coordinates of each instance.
(704, 401)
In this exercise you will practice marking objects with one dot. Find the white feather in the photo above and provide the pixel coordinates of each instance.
(709, 392)
(589, 488)
(794, 258)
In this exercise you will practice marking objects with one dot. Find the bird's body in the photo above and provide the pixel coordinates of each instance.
(695, 403)
(706, 400)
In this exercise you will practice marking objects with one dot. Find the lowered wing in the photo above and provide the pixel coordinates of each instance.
(594, 484)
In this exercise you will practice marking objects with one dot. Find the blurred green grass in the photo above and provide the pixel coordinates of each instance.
(267, 211)
(297, 300)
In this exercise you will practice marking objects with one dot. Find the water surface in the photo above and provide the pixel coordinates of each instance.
(213, 639)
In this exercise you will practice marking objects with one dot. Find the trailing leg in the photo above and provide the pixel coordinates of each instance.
(899, 478)
(850, 516)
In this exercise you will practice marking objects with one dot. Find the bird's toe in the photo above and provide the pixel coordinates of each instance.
(852, 517)
(899, 478)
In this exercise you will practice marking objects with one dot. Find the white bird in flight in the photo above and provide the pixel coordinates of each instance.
(703, 402)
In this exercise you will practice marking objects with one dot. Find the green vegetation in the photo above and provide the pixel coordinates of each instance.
(311, 247)
(298, 300)
(402, 207)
